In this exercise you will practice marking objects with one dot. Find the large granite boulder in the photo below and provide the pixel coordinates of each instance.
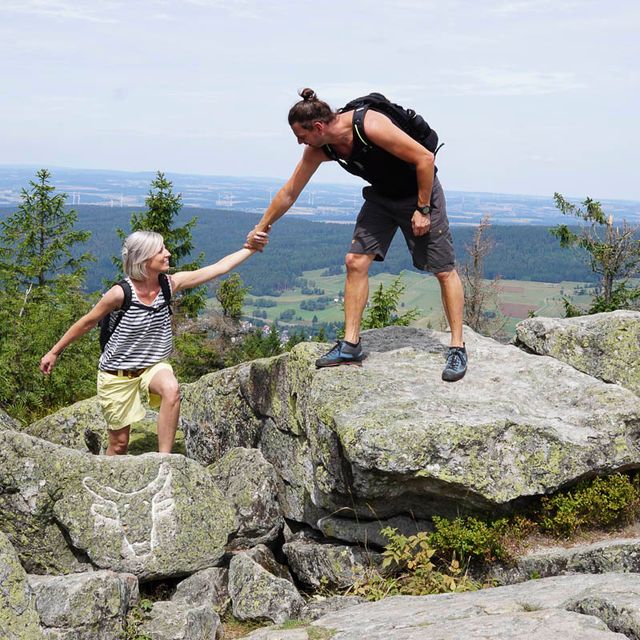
(585, 607)
(152, 515)
(257, 594)
(391, 438)
(181, 621)
(263, 556)
(604, 345)
(85, 606)
(216, 399)
(334, 565)
(206, 587)
(79, 426)
(249, 482)
(18, 617)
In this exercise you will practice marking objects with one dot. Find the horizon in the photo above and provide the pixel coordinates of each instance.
(357, 184)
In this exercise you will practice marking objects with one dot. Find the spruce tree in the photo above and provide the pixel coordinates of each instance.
(41, 280)
(38, 240)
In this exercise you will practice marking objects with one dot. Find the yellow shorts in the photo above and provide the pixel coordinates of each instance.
(121, 398)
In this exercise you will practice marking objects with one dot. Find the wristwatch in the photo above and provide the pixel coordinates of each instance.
(425, 211)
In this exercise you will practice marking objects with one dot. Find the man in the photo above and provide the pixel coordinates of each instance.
(404, 192)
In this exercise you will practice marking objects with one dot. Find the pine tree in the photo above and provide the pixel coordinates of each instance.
(383, 309)
(37, 241)
(231, 293)
(41, 279)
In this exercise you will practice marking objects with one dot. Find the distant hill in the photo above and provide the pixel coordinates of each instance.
(297, 245)
(319, 201)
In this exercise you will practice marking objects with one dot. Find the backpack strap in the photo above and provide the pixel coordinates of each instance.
(358, 127)
(109, 323)
(126, 287)
(165, 286)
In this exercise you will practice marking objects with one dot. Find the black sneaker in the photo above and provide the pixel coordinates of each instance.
(456, 364)
(342, 353)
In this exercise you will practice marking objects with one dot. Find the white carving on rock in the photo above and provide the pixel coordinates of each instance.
(135, 516)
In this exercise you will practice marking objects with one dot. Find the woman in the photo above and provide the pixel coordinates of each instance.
(133, 363)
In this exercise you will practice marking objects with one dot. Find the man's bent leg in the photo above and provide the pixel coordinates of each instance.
(165, 385)
(356, 293)
(118, 442)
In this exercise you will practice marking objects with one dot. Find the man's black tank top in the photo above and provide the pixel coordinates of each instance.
(388, 175)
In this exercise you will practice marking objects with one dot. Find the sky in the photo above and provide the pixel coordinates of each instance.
(529, 96)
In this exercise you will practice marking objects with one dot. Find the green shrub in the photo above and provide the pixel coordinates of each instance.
(470, 538)
(411, 559)
(602, 502)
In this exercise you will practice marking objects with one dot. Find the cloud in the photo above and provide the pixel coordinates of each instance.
(246, 9)
(86, 10)
(161, 133)
(338, 93)
(495, 81)
(548, 160)
(535, 6)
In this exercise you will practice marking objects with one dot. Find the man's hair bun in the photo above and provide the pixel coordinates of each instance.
(308, 95)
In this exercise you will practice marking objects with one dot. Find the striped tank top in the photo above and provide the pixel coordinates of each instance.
(143, 337)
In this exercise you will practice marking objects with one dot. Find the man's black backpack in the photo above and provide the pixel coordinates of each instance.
(109, 323)
(408, 120)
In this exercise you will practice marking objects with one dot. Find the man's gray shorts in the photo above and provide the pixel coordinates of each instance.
(380, 218)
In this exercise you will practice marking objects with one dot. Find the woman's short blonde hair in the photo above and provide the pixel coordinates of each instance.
(137, 249)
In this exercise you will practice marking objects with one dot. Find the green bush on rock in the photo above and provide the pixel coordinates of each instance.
(602, 502)
(471, 537)
(412, 570)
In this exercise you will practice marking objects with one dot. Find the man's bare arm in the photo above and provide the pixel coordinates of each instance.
(312, 158)
(383, 133)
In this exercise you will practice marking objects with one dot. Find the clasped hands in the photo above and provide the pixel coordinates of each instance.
(257, 240)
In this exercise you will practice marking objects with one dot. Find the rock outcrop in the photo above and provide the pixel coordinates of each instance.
(152, 515)
(84, 606)
(603, 345)
(588, 607)
(18, 617)
(390, 438)
(315, 464)
(249, 482)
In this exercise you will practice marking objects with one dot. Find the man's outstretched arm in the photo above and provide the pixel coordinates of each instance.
(288, 194)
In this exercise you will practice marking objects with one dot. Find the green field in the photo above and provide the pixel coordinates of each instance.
(516, 299)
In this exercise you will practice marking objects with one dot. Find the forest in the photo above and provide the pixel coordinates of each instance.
(297, 245)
